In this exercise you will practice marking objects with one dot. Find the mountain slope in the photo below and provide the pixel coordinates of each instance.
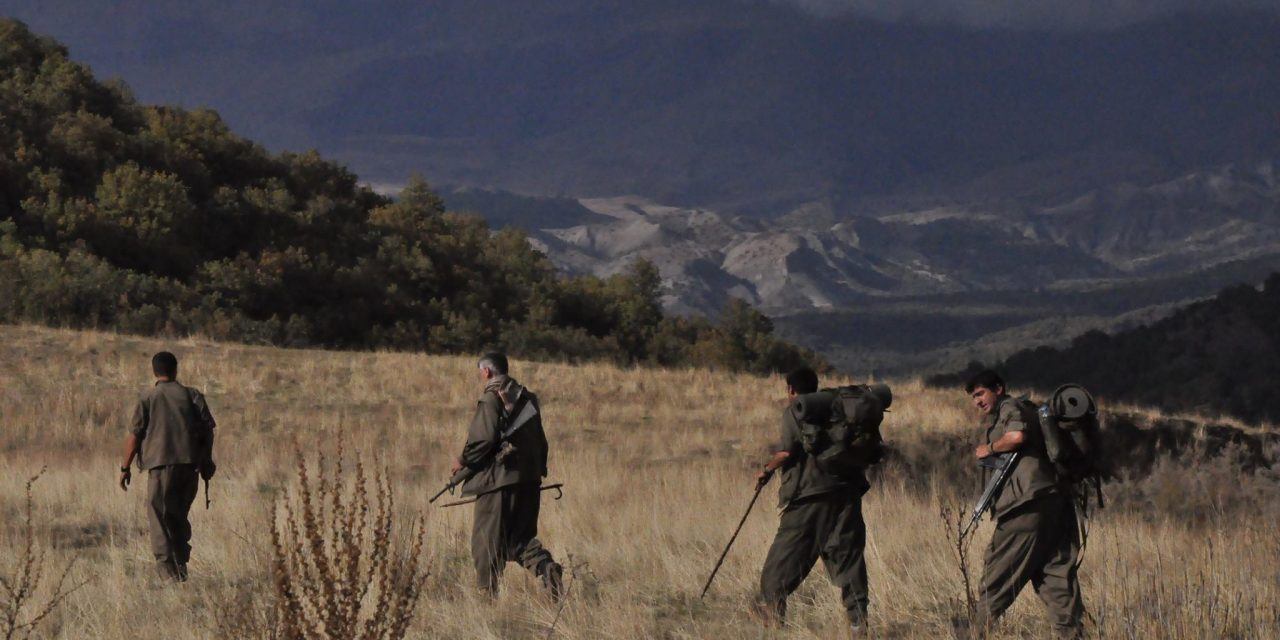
(815, 261)
(1218, 355)
(731, 104)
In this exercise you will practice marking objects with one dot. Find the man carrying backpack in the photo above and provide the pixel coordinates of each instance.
(821, 518)
(1035, 539)
(509, 472)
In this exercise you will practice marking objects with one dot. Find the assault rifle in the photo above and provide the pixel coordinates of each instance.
(1002, 466)
(528, 410)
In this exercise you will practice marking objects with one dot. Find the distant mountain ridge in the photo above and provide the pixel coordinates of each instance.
(809, 261)
(733, 105)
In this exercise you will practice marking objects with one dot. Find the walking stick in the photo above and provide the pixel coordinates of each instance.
(206, 494)
(557, 487)
(759, 488)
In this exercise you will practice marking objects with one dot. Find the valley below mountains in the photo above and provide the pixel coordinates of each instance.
(926, 285)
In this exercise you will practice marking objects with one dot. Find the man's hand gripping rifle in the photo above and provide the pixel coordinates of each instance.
(1001, 465)
(528, 410)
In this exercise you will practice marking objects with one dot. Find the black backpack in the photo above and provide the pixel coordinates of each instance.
(840, 428)
(1073, 437)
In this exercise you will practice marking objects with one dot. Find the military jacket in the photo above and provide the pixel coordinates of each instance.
(174, 426)
(520, 460)
(1033, 476)
(801, 478)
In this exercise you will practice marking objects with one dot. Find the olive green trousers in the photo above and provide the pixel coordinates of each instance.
(827, 526)
(1038, 543)
(170, 491)
(505, 529)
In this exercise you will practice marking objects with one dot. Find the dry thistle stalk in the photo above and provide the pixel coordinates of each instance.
(337, 573)
(953, 521)
(20, 613)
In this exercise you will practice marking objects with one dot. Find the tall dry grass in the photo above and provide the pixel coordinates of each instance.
(657, 466)
(29, 592)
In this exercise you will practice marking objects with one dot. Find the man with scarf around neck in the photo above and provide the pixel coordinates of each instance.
(507, 481)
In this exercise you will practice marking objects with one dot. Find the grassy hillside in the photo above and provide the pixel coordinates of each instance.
(658, 467)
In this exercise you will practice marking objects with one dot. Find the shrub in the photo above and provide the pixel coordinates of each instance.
(337, 571)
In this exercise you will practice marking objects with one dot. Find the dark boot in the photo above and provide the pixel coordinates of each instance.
(768, 614)
(553, 580)
(858, 626)
(1070, 633)
(978, 628)
(168, 571)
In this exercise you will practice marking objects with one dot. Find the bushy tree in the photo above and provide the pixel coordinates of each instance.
(159, 219)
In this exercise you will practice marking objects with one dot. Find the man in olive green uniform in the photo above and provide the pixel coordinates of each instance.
(1036, 539)
(172, 438)
(821, 518)
(507, 480)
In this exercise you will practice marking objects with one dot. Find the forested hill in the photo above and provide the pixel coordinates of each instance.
(1221, 355)
(151, 219)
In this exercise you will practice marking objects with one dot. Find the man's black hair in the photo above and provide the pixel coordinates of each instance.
(495, 361)
(986, 379)
(164, 364)
(803, 380)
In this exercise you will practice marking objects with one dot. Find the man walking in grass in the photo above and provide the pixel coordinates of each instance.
(821, 518)
(1036, 539)
(508, 474)
(172, 439)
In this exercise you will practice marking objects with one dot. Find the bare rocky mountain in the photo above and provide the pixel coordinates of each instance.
(1091, 239)
(1006, 271)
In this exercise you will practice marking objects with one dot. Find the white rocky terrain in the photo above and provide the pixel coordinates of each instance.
(1118, 233)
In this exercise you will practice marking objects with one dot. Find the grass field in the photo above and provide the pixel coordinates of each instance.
(658, 467)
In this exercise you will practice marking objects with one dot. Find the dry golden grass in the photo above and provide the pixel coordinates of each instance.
(658, 465)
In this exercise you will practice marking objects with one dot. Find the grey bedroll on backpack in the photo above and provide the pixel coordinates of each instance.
(840, 428)
(1073, 437)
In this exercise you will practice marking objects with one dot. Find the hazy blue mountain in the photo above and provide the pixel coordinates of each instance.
(729, 103)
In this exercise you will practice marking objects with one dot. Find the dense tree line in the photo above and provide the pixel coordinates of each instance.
(1220, 355)
(159, 220)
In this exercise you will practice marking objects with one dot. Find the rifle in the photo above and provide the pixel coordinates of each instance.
(1002, 464)
(527, 412)
(557, 487)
